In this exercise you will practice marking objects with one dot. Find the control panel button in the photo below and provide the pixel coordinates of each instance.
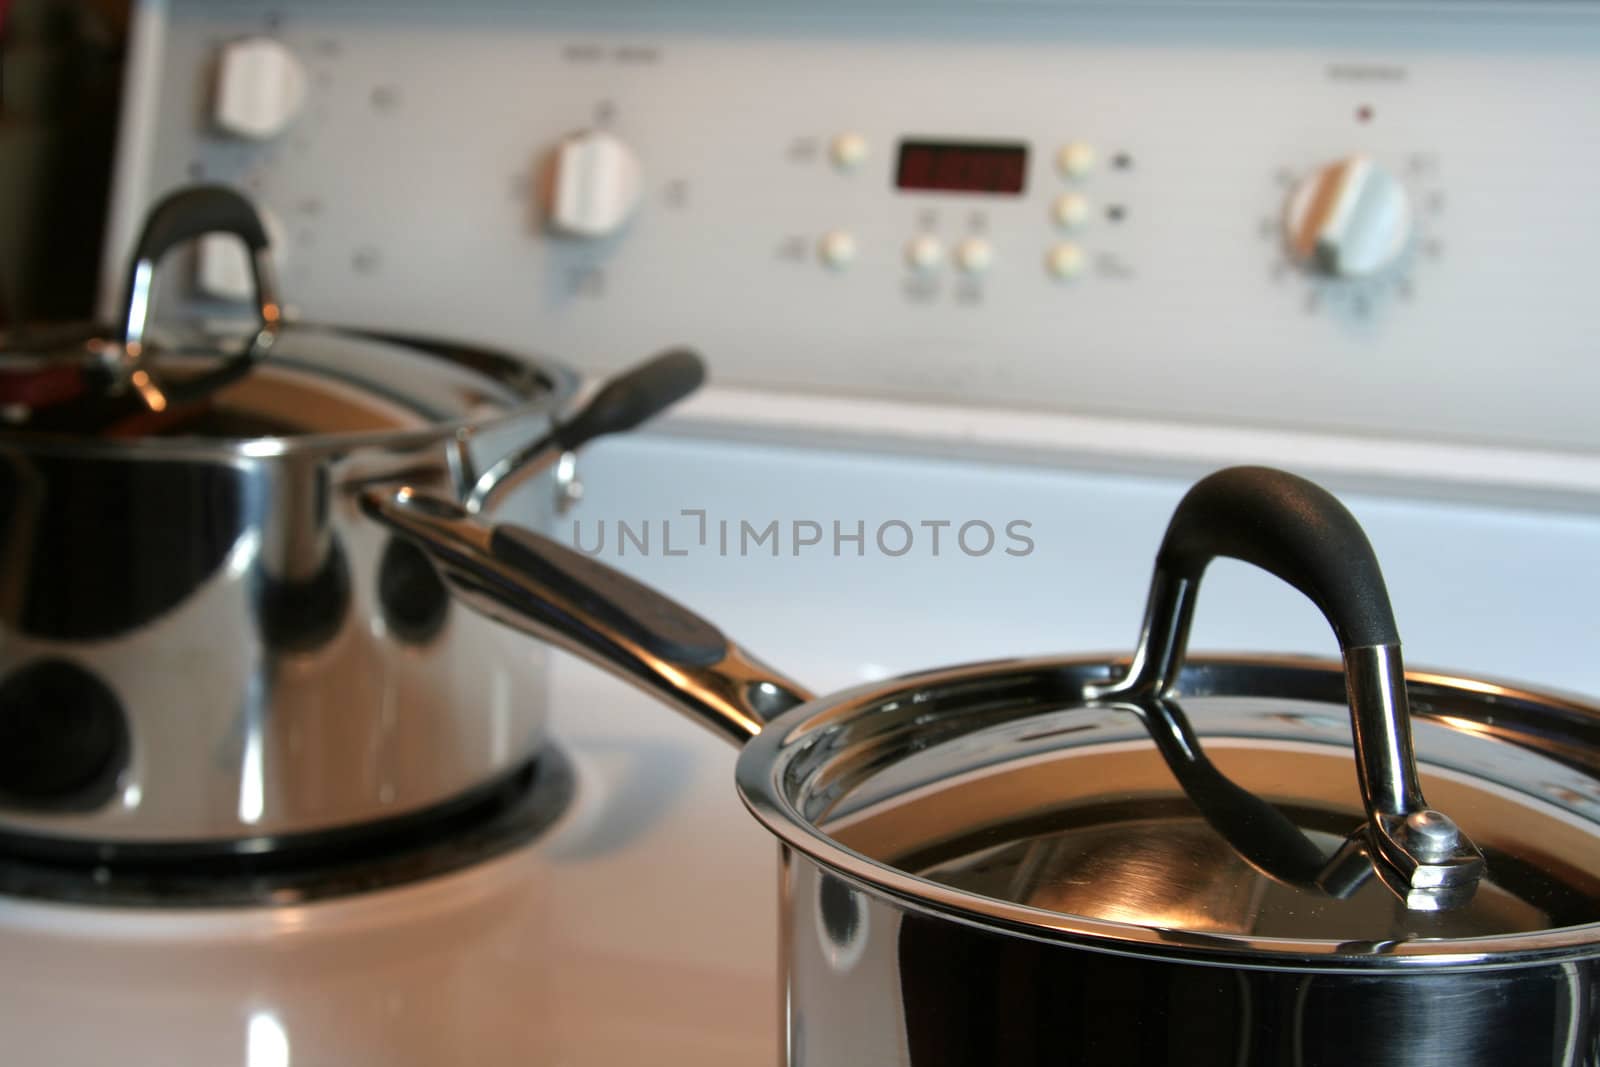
(1348, 219)
(848, 151)
(594, 185)
(260, 88)
(222, 268)
(222, 263)
(837, 249)
(924, 253)
(974, 255)
(1070, 210)
(1065, 261)
(1075, 159)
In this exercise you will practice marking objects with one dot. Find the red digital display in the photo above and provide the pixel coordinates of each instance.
(961, 167)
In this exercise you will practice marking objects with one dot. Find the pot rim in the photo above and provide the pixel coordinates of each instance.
(766, 760)
(557, 382)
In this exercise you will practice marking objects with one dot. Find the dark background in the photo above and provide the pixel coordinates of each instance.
(60, 85)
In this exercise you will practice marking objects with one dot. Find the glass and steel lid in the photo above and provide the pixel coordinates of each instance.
(1098, 812)
(324, 381)
(1267, 811)
(242, 381)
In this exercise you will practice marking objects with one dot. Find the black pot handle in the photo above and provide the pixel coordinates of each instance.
(195, 211)
(1292, 529)
(1299, 532)
(635, 396)
(181, 216)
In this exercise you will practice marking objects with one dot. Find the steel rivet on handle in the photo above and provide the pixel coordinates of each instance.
(1431, 834)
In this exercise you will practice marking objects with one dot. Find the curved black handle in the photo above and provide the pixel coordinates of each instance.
(194, 211)
(181, 216)
(1300, 533)
(635, 396)
(1293, 529)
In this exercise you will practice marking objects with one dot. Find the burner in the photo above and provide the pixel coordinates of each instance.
(465, 830)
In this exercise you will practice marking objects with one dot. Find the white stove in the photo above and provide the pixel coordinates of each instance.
(869, 401)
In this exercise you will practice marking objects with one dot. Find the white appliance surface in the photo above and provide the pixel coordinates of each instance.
(642, 927)
(400, 148)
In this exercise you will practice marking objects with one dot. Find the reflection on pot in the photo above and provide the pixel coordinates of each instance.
(1053, 1004)
(94, 548)
(841, 922)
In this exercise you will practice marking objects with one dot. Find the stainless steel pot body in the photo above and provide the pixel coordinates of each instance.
(206, 641)
(873, 979)
(884, 962)
(203, 640)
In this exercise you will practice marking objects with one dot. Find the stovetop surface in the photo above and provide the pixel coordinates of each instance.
(642, 924)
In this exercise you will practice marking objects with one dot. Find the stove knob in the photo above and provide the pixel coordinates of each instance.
(593, 186)
(260, 88)
(1349, 219)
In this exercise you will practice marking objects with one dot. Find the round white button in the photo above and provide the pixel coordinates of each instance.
(848, 151)
(924, 253)
(975, 255)
(1075, 160)
(837, 248)
(1065, 261)
(1070, 210)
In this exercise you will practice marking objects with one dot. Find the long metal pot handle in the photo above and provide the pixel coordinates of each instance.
(543, 588)
(1300, 533)
(303, 600)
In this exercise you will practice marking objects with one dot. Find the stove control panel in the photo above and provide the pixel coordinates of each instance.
(1293, 215)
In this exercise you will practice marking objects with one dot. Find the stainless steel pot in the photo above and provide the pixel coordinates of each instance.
(203, 642)
(1157, 861)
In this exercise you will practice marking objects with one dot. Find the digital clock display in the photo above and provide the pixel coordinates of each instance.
(961, 167)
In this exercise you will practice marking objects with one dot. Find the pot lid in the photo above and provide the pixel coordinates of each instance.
(320, 382)
(1085, 816)
(265, 378)
(1263, 810)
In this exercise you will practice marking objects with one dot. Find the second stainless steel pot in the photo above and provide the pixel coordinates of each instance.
(203, 642)
(1162, 861)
